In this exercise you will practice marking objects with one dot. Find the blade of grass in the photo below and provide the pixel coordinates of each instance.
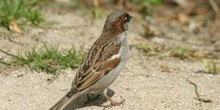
(12, 55)
(46, 59)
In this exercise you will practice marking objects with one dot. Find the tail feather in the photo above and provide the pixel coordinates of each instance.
(63, 102)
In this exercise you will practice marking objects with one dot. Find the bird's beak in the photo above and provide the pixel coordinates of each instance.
(130, 17)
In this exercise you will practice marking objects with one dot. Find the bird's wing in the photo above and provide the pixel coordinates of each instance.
(98, 63)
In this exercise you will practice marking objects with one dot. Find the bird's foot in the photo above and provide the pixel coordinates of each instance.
(114, 104)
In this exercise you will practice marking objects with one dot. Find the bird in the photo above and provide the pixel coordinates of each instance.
(104, 61)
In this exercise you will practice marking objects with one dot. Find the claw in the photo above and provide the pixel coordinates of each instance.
(117, 103)
(113, 104)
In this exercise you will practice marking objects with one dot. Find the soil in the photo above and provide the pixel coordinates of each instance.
(141, 83)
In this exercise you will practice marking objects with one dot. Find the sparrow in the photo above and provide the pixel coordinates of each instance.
(104, 61)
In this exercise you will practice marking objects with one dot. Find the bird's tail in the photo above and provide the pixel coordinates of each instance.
(62, 103)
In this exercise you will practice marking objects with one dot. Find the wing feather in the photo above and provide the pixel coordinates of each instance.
(93, 69)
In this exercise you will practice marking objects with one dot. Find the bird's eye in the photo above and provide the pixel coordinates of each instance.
(127, 17)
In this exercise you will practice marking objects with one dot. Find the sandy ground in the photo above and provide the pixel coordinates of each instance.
(141, 83)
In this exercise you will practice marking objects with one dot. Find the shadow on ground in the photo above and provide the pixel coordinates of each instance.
(89, 100)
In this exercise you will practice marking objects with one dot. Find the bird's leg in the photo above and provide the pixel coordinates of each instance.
(92, 97)
(113, 103)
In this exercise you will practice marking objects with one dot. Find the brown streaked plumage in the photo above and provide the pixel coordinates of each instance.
(104, 61)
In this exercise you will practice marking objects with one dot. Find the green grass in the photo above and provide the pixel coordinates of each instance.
(181, 53)
(153, 50)
(158, 50)
(23, 12)
(211, 66)
(164, 68)
(45, 59)
(145, 9)
(95, 11)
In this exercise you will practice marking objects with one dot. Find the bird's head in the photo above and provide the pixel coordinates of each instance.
(117, 23)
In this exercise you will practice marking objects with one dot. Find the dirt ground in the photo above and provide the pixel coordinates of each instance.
(141, 83)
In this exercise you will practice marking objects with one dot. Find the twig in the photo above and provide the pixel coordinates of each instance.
(215, 8)
(19, 43)
(196, 88)
(200, 99)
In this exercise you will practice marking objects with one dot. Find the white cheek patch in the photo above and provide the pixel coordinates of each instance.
(126, 18)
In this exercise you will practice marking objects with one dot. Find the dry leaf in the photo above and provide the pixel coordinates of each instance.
(14, 27)
(198, 54)
(183, 18)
